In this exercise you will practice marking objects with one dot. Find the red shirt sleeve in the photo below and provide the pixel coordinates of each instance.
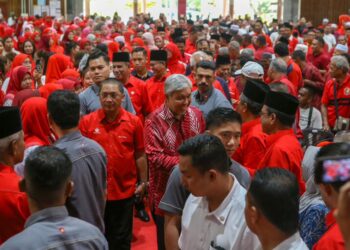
(325, 97)
(138, 136)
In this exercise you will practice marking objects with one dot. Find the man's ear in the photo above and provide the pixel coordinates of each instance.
(69, 188)
(22, 185)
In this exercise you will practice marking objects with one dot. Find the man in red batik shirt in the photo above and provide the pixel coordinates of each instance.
(282, 146)
(165, 130)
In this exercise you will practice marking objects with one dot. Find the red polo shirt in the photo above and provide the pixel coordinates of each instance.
(294, 74)
(320, 61)
(155, 89)
(283, 150)
(332, 238)
(120, 139)
(139, 96)
(252, 147)
(14, 209)
(343, 99)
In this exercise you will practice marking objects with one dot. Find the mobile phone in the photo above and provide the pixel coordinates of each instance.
(336, 170)
(38, 66)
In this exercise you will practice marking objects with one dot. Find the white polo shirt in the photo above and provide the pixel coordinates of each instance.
(224, 227)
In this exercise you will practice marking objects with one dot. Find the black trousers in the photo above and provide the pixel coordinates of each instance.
(159, 221)
(118, 221)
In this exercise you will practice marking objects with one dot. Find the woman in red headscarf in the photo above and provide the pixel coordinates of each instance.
(35, 127)
(113, 47)
(20, 79)
(174, 63)
(55, 66)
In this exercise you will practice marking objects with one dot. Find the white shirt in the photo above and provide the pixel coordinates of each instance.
(225, 227)
(294, 242)
(330, 40)
(316, 118)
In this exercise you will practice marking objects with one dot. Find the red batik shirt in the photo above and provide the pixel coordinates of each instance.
(163, 135)
(14, 209)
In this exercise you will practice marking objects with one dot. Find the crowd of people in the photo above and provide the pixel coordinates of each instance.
(227, 133)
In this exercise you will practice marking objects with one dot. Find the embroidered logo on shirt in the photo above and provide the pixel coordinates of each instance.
(347, 91)
(122, 137)
(97, 131)
(132, 92)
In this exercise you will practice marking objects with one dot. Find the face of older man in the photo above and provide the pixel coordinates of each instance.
(179, 101)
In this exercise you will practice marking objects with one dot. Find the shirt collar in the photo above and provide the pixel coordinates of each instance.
(274, 137)
(69, 137)
(166, 114)
(330, 220)
(222, 212)
(200, 98)
(95, 88)
(120, 117)
(48, 214)
(288, 243)
(248, 125)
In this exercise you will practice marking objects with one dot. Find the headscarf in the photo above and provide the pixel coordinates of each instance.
(16, 79)
(86, 31)
(56, 65)
(312, 195)
(35, 123)
(68, 84)
(138, 41)
(46, 90)
(19, 60)
(23, 95)
(148, 36)
(113, 47)
(174, 61)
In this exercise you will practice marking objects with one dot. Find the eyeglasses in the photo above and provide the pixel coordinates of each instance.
(113, 95)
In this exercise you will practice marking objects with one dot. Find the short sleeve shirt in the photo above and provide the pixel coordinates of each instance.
(120, 139)
(343, 100)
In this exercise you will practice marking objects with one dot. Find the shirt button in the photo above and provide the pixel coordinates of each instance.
(222, 218)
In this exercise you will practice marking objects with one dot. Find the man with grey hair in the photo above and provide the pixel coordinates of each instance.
(233, 50)
(14, 207)
(335, 107)
(278, 73)
(165, 130)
